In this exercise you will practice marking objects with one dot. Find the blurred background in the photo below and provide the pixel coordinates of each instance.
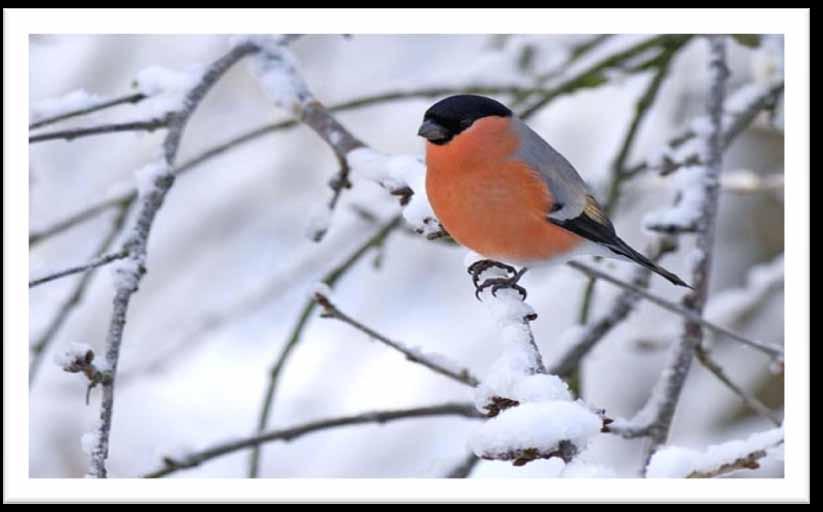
(230, 266)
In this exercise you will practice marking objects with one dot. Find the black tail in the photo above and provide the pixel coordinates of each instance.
(620, 247)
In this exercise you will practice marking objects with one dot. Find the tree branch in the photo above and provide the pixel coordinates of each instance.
(130, 98)
(462, 375)
(131, 274)
(449, 409)
(96, 262)
(748, 400)
(76, 296)
(654, 420)
(77, 133)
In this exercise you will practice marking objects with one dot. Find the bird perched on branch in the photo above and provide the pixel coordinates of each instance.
(502, 191)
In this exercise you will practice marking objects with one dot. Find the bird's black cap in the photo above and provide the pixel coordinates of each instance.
(450, 116)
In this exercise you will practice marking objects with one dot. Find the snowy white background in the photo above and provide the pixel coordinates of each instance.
(236, 226)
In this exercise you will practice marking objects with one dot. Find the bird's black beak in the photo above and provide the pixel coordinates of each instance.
(433, 131)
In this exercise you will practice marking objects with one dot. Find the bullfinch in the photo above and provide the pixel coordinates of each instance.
(502, 191)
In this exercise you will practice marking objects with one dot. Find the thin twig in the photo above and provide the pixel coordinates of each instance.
(131, 98)
(463, 375)
(150, 204)
(774, 351)
(296, 334)
(449, 409)
(75, 133)
(748, 399)
(38, 349)
(99, 261)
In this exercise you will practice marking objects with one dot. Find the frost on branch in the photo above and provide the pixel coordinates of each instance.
(54, 107)
(716, 460)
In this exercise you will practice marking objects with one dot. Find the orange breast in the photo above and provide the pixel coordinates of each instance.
(489, 202)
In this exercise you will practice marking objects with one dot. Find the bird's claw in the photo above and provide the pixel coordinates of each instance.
(496, 283)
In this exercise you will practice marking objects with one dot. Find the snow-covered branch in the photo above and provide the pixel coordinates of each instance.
(154, 182)
(39, 347)
(654, 419)
(716, 460)
(171, 465)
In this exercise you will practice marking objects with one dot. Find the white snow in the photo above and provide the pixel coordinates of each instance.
(690, 182)
(318, 224)
(515, 386)
(277, 72)
(74, 354)
(148, 175)
(127, 273)
(52, 107)
(156, 80)
(166, 88)
(394, 172)
(540, 425)
(679, 462)
(88, 442)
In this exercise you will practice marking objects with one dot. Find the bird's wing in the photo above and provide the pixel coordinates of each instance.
(574, 207)
(569, 191)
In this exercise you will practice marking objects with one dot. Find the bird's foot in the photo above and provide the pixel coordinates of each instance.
(477, 268)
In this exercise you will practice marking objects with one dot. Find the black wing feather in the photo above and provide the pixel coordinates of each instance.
(602, 232)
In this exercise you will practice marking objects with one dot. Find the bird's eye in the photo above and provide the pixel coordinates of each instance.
(465, 123)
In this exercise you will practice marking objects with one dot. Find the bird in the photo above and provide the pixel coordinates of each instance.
(499, 189)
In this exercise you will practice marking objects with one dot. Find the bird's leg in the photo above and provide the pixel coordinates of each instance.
(496, 283)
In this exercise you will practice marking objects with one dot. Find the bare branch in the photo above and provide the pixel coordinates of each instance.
(96, 262)
(774, 351)
(296, 335)
(449, 409)
(130, 98)
(150, 204)
(75, 133)
(748, 400)
(462, 375)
